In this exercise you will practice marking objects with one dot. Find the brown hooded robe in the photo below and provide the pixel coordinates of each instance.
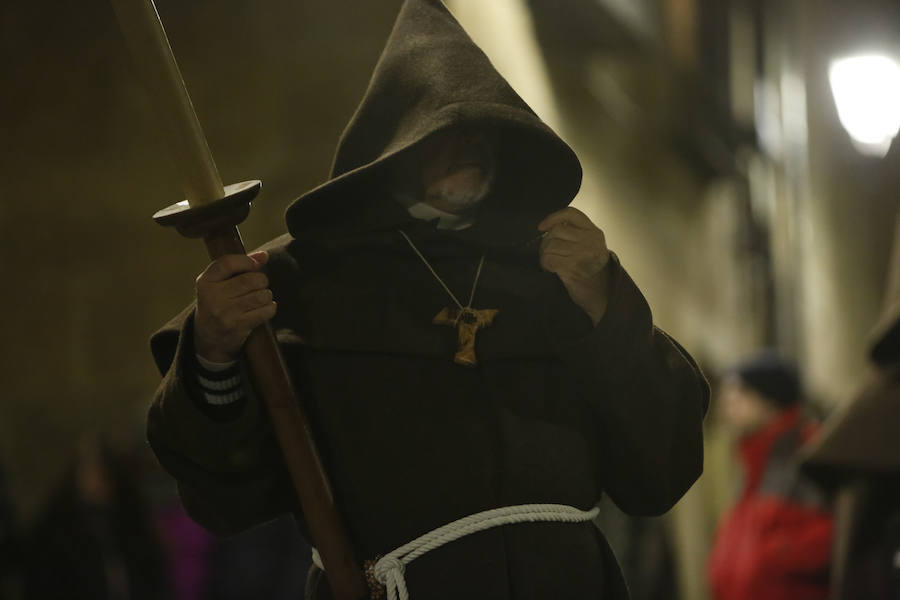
(858, 458)
(557, 411)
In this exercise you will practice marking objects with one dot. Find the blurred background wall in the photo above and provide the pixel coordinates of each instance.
(714, 160)
(86, 167)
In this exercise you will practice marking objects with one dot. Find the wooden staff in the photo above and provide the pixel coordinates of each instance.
(213, 212)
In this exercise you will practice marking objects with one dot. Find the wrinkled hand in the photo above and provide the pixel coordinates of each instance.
(232, 300)
(575, 250)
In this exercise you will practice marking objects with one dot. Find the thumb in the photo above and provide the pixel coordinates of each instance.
(261, 257)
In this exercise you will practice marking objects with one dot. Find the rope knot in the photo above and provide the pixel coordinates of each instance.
(387, 566)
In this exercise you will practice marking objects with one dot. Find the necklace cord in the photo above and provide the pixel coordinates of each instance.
(441, 281)
(475, 283)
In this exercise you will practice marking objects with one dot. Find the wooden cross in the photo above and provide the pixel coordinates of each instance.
(467, 321)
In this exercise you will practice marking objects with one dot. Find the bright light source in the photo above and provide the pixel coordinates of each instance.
(867, 94)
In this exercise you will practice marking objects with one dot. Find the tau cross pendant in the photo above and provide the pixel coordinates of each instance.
(467, 322)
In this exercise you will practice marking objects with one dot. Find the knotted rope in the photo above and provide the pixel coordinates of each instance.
(389, 569)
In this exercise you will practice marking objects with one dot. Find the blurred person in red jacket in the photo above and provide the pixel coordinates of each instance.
(775, 543)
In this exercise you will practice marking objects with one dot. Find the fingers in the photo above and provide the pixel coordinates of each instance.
(564, 232)
(243, 284)
(231, 315)
(232, 299)
(252, 301)
(572, 268)
(229, 265)
(569, 241)
(227, 301)
(562, 257)
(573, 253)
(553, 263)
(252, 319)
(234, 275)
(569, 215)
(559, 247)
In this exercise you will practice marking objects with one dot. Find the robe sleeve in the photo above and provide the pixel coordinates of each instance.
(229, 470)
(648, 397)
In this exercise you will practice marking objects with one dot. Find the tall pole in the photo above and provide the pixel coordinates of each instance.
(213, 212)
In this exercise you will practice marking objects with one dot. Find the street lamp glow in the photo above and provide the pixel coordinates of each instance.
(867, 94)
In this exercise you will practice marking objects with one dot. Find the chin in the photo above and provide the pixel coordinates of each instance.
(459, 192)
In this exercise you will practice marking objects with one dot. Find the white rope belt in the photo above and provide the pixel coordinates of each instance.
(389, 568)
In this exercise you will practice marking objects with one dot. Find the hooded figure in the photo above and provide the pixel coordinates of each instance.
(559, 407)
(858, 458)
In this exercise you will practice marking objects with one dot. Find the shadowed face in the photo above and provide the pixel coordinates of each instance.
(457, 169)
(743, 408)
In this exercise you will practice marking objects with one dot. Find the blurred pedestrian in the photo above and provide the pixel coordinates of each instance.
(775, 542)
(188, 548)
(95, 540)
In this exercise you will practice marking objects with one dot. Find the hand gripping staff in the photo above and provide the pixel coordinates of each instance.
(213, 212)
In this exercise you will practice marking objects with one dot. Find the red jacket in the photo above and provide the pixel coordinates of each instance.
(776, 542)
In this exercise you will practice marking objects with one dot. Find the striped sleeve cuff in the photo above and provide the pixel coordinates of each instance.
(221, 383)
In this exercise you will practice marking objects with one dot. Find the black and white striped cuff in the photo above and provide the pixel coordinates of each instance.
(221, 383)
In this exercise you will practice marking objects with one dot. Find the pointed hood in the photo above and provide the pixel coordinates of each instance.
(432, 76)
(863, 436)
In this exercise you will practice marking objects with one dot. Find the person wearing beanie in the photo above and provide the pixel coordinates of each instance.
(775, 542)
